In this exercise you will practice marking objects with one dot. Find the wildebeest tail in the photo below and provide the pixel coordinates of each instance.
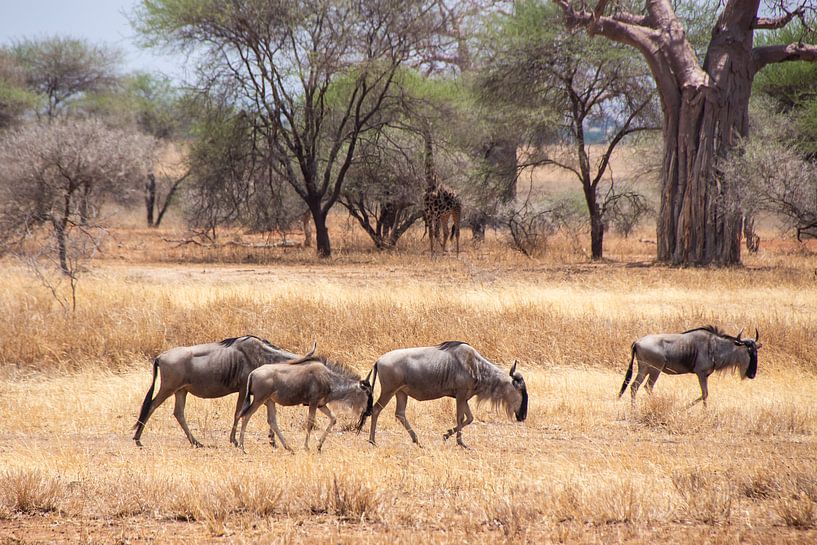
(247, 398)
(370, 403)
(629, 374)
(143, 412)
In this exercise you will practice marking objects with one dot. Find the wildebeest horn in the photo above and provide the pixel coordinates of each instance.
(513, 367)
(366, 380)
(757, 335)
(312, 351)
(740, 333)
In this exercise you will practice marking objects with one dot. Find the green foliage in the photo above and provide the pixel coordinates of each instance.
(65, 71)
(790, 84)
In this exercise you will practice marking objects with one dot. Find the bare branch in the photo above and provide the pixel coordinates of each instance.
(773, 23)
(769, 54)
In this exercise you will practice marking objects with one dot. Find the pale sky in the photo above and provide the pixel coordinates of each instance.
(98, 21)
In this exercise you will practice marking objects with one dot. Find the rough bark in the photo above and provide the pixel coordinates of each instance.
(705, 112)
(150, 197)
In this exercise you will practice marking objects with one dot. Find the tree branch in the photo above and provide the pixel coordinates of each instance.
(769, 54)
(766, 23)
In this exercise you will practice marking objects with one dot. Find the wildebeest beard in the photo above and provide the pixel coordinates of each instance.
(751, 371)
(368, 411)
(522, 413)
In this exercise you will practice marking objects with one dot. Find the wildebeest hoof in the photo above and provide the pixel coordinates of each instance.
(372, 443)
(138, 442)
(463, 445)
(196, 444)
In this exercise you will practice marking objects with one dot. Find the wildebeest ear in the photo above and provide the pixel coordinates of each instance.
(513, 368)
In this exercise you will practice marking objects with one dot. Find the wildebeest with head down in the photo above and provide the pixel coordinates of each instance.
(207, 370)
(701, 351)
(305, 381)
(451, 369)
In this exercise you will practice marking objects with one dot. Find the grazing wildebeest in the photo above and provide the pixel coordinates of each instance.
(701, 351)
(451, 369)
(209, 371)
(305, 381)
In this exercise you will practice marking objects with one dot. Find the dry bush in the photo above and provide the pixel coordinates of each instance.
(761, 483)
(30, 491)
(799, 511)
(509, 512)
(608, 500)
(348, 498)
(256, 494)
(783, 418)
(706, 496)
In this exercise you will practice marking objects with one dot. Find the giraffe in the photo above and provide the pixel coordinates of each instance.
(441, 203)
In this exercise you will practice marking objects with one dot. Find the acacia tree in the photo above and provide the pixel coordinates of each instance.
(56, 175)
(63, 69)
(705, 106)
(572, 84)
(283, 59)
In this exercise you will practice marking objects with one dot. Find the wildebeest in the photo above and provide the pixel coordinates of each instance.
(701, 351)
(208, 370)
(451, 369)
(305, 381)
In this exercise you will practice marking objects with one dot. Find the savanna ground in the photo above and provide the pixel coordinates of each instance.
(583, 468)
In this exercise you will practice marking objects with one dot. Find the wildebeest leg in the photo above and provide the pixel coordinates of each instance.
(325, 410)
(702, 379)
(270, 420)
(651, 379)
(178, 412)
(400, 414)
(256, 403)
(241, 393)
(158, 400)
(642, 372)
(462, 408)
(385, 397)
(310, 423)
(275, 428)
(468, 419)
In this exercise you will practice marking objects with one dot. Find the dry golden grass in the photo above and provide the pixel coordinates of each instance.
(584, 467)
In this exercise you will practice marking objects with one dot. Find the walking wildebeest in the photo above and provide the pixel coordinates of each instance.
(209, 371)
(451, 369)
(305, 381)
(701, 351)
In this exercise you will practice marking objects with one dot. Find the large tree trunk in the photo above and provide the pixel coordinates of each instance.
(699, 221)
(596, 236)
(62, 249)
(501, 156)
(322, 244)
(150, 197)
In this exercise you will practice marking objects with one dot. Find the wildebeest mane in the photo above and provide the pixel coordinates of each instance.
(448, 345)
(334, 366)
(231, 340)
(714, 330)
